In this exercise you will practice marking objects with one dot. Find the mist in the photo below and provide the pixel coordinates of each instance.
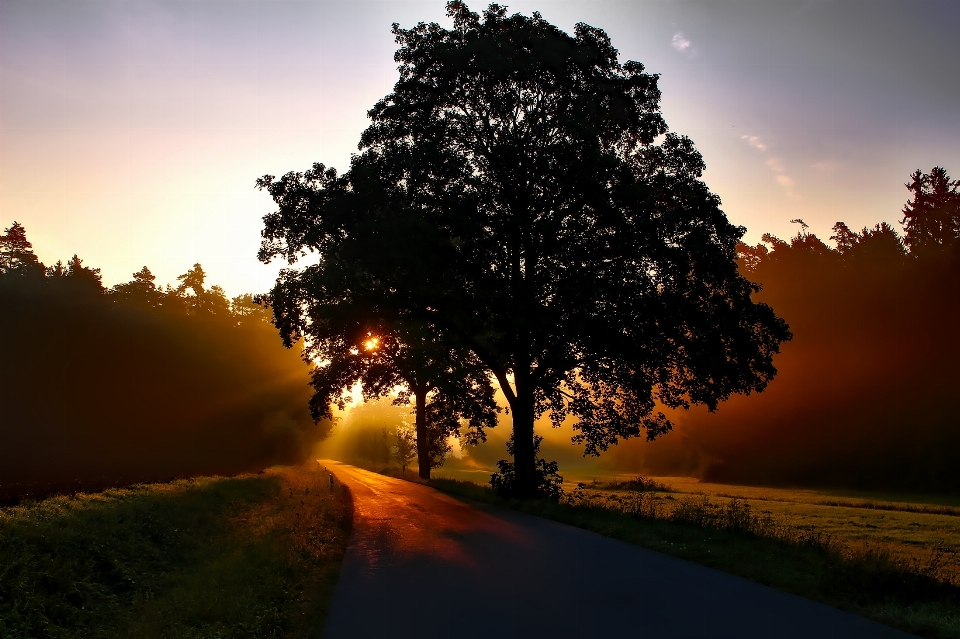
(105, 387)
(866, 391)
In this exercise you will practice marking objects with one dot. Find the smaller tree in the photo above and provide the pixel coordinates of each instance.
(251, 307)
(846, 239)
(203, 300)
(353, 339)
(75, 278)
(931, 218)
(405, 449)
(141, 290)
(75, 268)
(450, 392)
(872, 247)
(16, 251)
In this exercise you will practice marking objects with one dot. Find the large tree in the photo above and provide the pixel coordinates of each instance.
(519, 190)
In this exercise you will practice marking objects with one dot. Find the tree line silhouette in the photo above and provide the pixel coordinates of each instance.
(136, 382)
(866, 392)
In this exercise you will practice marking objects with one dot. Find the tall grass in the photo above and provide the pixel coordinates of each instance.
(737, 515)
(246, 556)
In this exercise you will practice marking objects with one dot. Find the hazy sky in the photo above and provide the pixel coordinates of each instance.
(132, 131)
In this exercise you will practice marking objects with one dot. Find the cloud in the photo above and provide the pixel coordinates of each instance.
(775, 164)
(681, 43)
(785, 181)
(754, 141)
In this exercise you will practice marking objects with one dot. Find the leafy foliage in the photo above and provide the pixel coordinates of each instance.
(931, 218)
(511, 195)
(404, 449)
(549, 483)
(16, 251)
(357, 341)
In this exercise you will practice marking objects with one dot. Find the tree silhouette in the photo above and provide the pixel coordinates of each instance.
(931, 218)
(141, 290)
(355, 342)
(404, 450)
(211, 300)
(511, 192)
(16, 252)
(446, 386)
(879, 245)
(83, 276)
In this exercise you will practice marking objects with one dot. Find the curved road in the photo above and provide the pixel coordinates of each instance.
(421, 564)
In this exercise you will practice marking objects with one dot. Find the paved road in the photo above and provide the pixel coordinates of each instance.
(422, 564)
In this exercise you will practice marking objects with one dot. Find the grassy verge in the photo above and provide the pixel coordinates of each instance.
(245, 556)
(732, 538)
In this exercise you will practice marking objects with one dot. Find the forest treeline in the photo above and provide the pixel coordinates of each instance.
(866, 393)
(138, 382)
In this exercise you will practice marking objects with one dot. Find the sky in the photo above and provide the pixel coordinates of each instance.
(132, 131)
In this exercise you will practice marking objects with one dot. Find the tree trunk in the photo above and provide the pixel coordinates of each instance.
(524, 457)
(423, 441)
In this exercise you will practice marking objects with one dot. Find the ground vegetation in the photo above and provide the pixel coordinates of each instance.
(246, 556)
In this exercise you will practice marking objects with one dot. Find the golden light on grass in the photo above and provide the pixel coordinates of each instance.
(254, 554)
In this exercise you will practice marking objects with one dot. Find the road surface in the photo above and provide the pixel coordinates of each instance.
(422, 564)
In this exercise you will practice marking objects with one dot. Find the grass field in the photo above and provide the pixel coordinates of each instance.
(915, 529)
(921, 532)
(893, 560)
(245, 556)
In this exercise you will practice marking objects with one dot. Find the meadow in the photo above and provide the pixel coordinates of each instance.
(252, 555)
(913, 529)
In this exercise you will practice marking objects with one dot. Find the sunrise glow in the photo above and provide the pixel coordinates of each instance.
(126, 115)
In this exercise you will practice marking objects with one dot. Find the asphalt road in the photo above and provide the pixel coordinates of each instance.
(422, 564)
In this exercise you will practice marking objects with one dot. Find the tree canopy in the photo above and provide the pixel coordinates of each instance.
(519, 191)
(931, 217)
(16, 251)
(355, 343)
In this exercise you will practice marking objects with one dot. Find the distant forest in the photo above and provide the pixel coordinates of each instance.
(867, 391)
(138, 382)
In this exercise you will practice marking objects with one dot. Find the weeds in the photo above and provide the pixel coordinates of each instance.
(639, 483)
(894, 507)
(245, 556)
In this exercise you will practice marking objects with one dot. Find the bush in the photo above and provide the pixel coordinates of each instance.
(549, 482)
